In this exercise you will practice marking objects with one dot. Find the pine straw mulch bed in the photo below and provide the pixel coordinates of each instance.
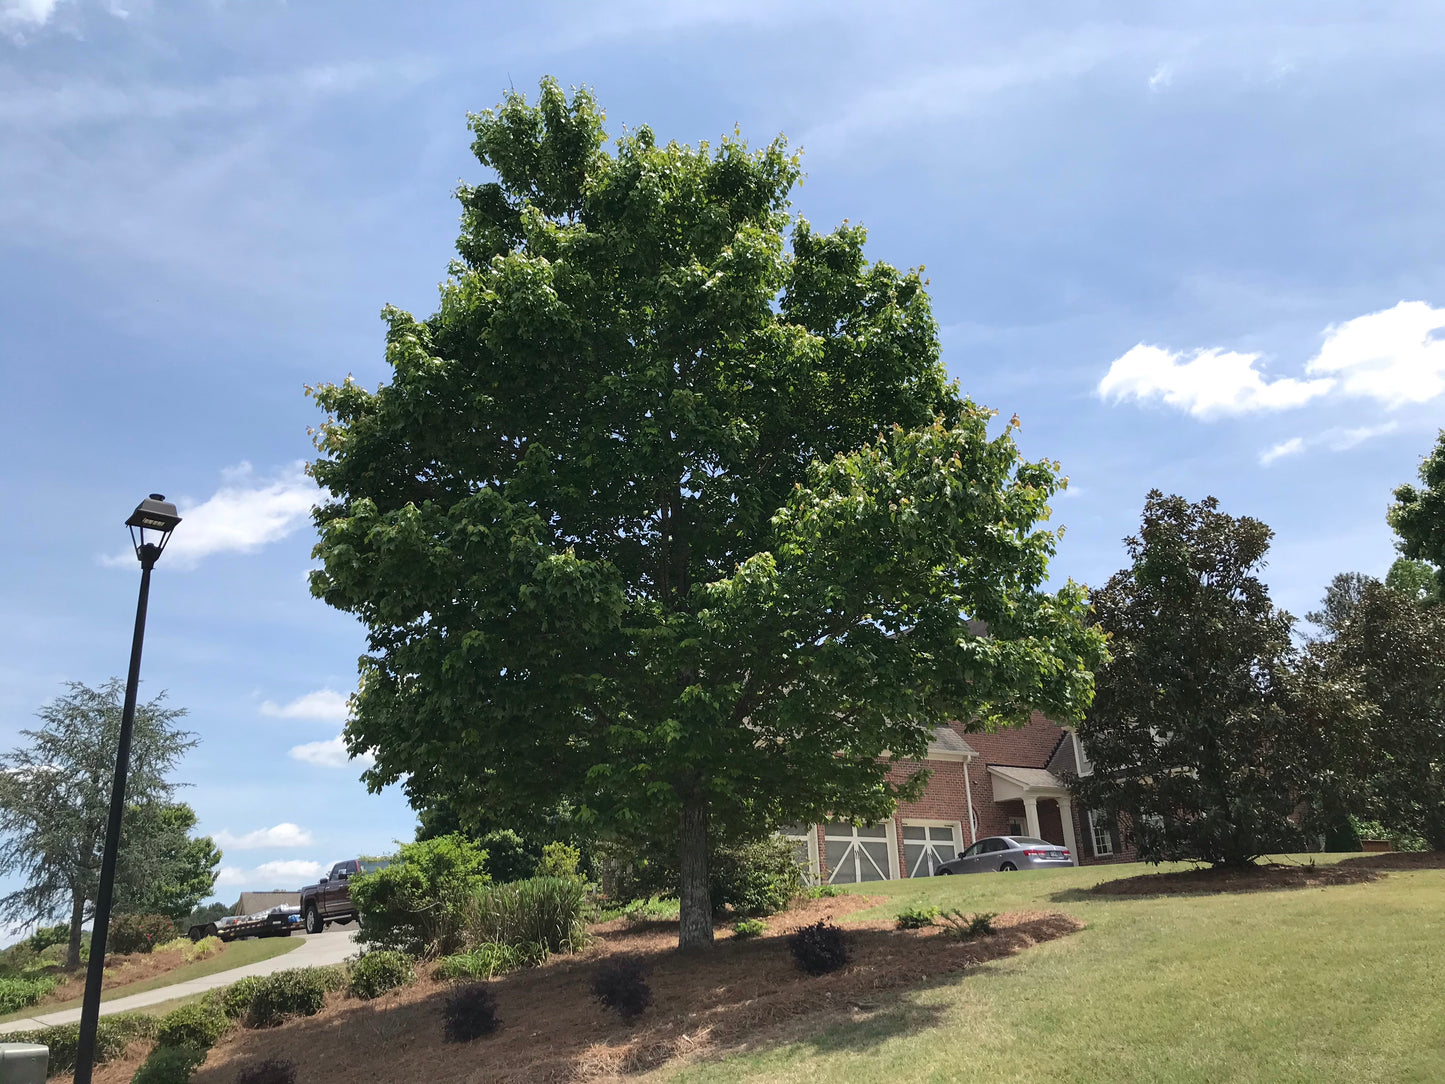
(552, 1030)
(119, 971)
(1398, 860)
(1211, 881)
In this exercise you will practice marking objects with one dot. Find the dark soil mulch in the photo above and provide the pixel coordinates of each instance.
(1210, 881)
(553, 1030)
(1398, 860)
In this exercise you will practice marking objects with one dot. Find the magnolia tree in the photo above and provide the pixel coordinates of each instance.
(670, 510)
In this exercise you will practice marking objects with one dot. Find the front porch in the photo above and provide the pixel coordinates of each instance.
(1029, 786)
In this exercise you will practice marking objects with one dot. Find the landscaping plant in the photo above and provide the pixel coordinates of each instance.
(18, 993)
(756, 878)
(470, 1012)
(967, 927)
(914, 918)
(419, 904)
(200, 1025)
(694, 479)
(377, 972)
(169, 1065)
(112, 1035)
(488, 959)
(270, 1071)
(235, 1000)
(621, 985)
(138, 933)
(300, 991)
(545, 911)
(749, 927)
(819, 948)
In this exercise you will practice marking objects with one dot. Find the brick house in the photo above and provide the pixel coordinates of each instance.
(1006, 783)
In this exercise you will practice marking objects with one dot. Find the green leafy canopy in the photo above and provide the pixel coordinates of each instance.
(671, 504)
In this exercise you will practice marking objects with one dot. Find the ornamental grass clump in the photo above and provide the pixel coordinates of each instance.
(470, 1013)
(488, 959)
(966, 927)
(546, 911)
(621, 985)
(819, 948)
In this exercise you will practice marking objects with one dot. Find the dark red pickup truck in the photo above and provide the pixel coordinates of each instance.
(329, 900)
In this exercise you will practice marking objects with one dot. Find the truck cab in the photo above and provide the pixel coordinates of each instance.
(329, 900)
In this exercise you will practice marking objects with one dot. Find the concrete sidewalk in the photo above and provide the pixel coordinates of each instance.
(323, 948)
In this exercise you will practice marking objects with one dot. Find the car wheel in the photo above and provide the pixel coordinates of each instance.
(1007, 867)
(313, 919)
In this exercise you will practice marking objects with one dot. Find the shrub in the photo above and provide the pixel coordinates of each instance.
(544, 911)
(469, 1013)
(169, 1065)
(112, 1035)
(819, 948)
(967, 927)
(558, 860)
(749, 927)
(234, 1001)
(915, 918)
(621, 985)
(1400, 841)
(822, 892)
(46, 936)
(377, 972)
(138, 933)
(488, 959)
(333, 977)
(200, 1025)
(270, 1071)
(298, 992)
(419, 904)
(650, 910)
(509, 858)
(17, 992)
(759, 878)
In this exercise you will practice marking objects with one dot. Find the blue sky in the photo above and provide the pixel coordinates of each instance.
(1194, 246)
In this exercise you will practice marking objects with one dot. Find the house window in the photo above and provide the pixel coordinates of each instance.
(1017, 825)
(1102, 837)
(926, 844)
(859, 853)
(804, 838)
(1081, 759)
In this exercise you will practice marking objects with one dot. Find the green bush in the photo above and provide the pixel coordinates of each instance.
(822, 892)
(749, 927)
(488, 959)
(915, 918)
(234, 1001)
(420, 903)
(377, 972)
(138, 933)
(1401, 841)
(298, 992)
(169, 1065)
(112, 1035)
(759, 878)
(509, 858)
(653, 909)
(18, 993)
(543, 911)
(333, 976)
(46, 936)
(200, 1025)
(558, 860)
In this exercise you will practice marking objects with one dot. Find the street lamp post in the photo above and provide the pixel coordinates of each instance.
(154, 518)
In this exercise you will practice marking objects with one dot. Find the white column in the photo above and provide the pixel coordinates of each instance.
(1031, 815)
(1066, 811)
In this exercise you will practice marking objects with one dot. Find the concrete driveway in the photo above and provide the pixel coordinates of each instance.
(330, 947)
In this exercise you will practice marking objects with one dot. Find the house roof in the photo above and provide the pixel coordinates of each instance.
(1012, 782)
(947, 745)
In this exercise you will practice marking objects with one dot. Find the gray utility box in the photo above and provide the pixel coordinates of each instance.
(23, 1063)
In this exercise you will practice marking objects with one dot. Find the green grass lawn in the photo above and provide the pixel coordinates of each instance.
(1310, 985)
(237, 954)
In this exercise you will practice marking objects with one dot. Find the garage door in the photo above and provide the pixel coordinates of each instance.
(926, 844)
(858, 854)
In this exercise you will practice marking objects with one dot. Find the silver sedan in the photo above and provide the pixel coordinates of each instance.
(1006, 853)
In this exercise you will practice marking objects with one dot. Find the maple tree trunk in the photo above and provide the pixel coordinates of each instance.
(694, 894)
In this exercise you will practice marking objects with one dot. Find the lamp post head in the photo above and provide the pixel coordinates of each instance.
(155, 518)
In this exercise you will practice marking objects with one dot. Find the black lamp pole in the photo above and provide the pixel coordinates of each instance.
(155, 515)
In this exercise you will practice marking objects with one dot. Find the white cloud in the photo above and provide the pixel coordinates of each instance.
(230, 876)
(1211, 383)
(245, 514)
(327, 754)
(1163, 76)
(26, 13)
(1293, 446)
(323, 705)
(296, 869)
(284, 834)
(1392, 356)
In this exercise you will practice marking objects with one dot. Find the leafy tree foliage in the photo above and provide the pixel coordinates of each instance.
(1207, 729)
(166, 870)
(55, 797)
(1414, 579)
(1392, 648)
(1418, 515)
(671, 511)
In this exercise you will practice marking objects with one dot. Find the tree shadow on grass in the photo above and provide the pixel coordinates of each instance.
(1216, 881)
